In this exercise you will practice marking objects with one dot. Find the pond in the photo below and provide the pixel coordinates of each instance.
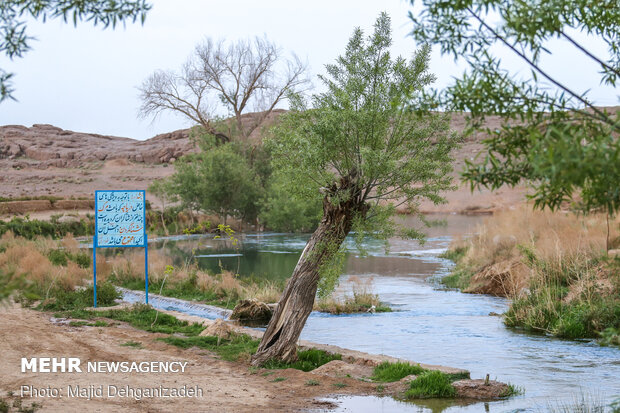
(430, 324)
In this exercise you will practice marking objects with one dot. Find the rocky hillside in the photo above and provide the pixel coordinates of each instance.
(43, 146)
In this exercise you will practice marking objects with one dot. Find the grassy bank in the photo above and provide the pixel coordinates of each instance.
(553, 266)
(237, 347)
(37, 266)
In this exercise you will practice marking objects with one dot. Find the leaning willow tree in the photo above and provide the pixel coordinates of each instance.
(366, 146)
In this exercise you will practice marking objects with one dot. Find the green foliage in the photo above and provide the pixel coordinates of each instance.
(387, 372)
(331, 269)
(64, 300)
(610, 337)
(307, 360)
(57, 257)
(218, 181)
(512, 390)
(366, 141)
(454, 254)
(61, 257)
(312, 382)
(431, 384)
(31, 228)
(238, 346)
(143, 317)
(459, 278)
(554, 138)
(14, 42)
(545, 310)
(284, 211)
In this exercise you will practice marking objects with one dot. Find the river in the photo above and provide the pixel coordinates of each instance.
(430, 324)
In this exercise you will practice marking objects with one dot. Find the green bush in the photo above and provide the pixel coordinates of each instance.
(65, 300)
(57, 257)
(61, 257)
(31, 228)
(431, 384)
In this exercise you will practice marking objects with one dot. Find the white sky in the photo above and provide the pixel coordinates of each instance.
(85, 79)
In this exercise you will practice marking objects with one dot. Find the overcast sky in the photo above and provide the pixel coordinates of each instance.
(86, 78)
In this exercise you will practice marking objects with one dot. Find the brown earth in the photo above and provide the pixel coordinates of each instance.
(44, 160)
(227, 386)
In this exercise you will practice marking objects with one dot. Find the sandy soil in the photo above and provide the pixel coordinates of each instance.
(227, 386)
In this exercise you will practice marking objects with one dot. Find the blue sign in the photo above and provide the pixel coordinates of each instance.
(120, 221)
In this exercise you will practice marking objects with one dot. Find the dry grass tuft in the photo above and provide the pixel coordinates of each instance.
(360, 299)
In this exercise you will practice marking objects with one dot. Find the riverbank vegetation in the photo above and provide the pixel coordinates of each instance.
(41, 268)
(554, 266)
(361, 299)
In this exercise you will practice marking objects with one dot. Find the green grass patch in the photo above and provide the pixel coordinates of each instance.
(144, 316)
(339, 385)
(307, 360)
(459, 278)
(431, 384)
(455, 254)
(184, 290)
(237, 347)
(387, 372)
(131, 343)
(141, 316)
(458, 376)
(312, 382)
(278, 379)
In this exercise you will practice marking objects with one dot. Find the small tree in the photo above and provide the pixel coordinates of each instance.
(246, 76)
(162, 189)
(365, 149)
(555, 138)
(217, 181)
(14, 41)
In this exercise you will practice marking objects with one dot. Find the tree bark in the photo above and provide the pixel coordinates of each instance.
(295, 305)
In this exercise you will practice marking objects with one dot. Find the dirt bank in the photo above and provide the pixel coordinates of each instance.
(227, 386)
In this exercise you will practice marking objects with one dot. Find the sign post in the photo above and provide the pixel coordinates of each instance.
(120, 221)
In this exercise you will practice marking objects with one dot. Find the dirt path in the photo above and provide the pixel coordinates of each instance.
(227, 387)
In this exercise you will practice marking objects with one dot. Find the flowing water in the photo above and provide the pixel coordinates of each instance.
(430, 324)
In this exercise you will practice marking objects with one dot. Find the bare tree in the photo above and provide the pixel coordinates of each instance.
(246, 76)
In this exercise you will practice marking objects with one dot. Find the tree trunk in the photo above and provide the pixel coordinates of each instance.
(280, 338)
(163, 220)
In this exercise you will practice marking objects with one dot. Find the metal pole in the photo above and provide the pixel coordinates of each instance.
(94, 272)
(146, 268)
